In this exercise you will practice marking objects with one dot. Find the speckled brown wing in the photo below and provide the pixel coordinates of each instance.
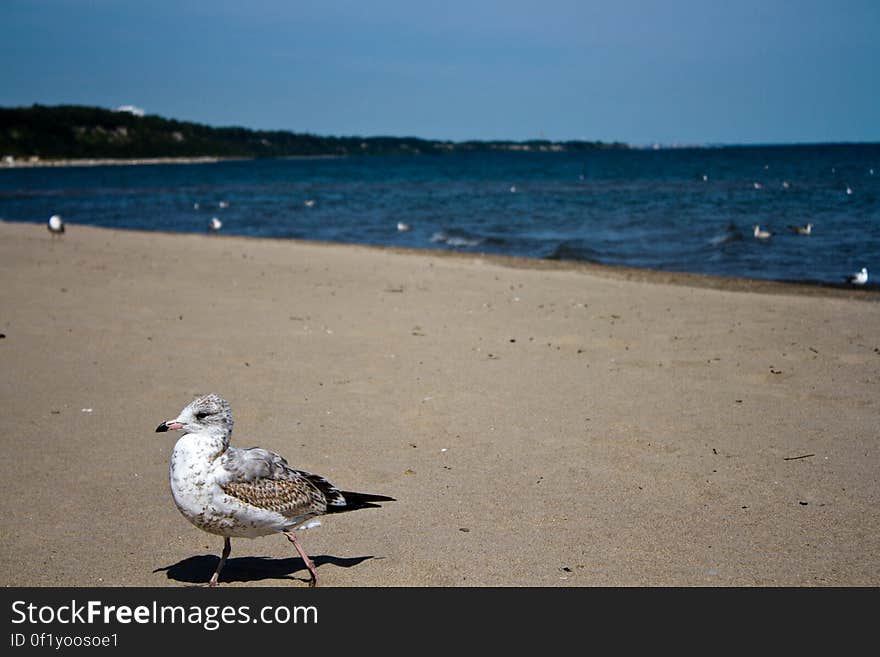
(264, 479)
(292, 498)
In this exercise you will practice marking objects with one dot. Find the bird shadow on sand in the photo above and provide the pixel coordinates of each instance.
(198, 570)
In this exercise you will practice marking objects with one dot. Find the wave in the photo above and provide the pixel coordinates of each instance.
(731, 234)
(456, 238)
(573, 250)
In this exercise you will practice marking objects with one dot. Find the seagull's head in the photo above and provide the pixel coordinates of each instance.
(209, 413)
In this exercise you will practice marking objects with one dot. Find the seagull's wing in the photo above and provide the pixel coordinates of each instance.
(263, 479)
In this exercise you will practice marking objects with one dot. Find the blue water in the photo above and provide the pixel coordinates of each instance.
(642, 208)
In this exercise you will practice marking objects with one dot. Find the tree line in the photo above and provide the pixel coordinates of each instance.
(74, 131)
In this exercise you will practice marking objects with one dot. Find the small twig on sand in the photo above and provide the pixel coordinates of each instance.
(794, 458)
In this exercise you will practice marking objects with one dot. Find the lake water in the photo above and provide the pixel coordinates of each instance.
(687, 210)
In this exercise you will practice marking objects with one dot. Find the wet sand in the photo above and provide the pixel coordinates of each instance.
(540, 424)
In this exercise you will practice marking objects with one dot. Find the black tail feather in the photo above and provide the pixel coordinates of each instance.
(354, 501)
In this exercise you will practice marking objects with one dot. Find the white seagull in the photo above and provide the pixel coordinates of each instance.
(56, 225)
(310, 203)
(402, 227)
(223, 204)
(859, 278)
(762, 234)
(214, 225)
(247, 493)
(803, 230)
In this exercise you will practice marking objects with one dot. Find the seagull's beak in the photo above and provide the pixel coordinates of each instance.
(174, 425)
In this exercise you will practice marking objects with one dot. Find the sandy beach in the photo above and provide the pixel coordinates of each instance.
(36, 162)
(539, 424)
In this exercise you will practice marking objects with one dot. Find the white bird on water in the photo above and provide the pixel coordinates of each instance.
(403, 227)
(803, 230)
(55, 225)
(215, 225)
(859, 278)
(310, 203)
(236, 492)
(762, 234)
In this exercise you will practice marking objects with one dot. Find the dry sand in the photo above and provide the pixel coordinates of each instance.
(538, 425)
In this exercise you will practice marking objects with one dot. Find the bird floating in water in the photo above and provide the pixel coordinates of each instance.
(849, 190)
(402, 227)
(55, 225)
(786, 184)
(802, 230)
(859, 278)
(234, 492)
(762, 234)
(196, 206)
(215, 225)
(310, 203)
(223, 204)
(757, 185)
(513, 189)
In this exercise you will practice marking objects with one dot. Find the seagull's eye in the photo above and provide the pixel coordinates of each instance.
(201, 415)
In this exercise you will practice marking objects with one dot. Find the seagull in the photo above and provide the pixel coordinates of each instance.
(802, 230)
(214, 225)
(762, 234)
(223, 204)
(56, 226)
(757, 185)
(236, 492)
(402, 227)
(310, 203)
(859, 278)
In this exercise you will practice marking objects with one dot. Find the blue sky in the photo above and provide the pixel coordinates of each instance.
(674, 71)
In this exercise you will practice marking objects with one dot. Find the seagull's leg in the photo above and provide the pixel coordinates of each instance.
(291, 536)
(227, 548)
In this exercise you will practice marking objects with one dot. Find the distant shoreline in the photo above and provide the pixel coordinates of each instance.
(31, 163)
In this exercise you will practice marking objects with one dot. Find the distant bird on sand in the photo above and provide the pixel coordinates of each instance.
(802, 230)
(247, 493)
(402, 227)
(55, 225)
(859, 278)
(762, 234)
(214, 225)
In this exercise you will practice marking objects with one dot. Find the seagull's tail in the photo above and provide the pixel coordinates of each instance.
(354, 501)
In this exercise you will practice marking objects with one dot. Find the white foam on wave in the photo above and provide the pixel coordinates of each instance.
(454, 240)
